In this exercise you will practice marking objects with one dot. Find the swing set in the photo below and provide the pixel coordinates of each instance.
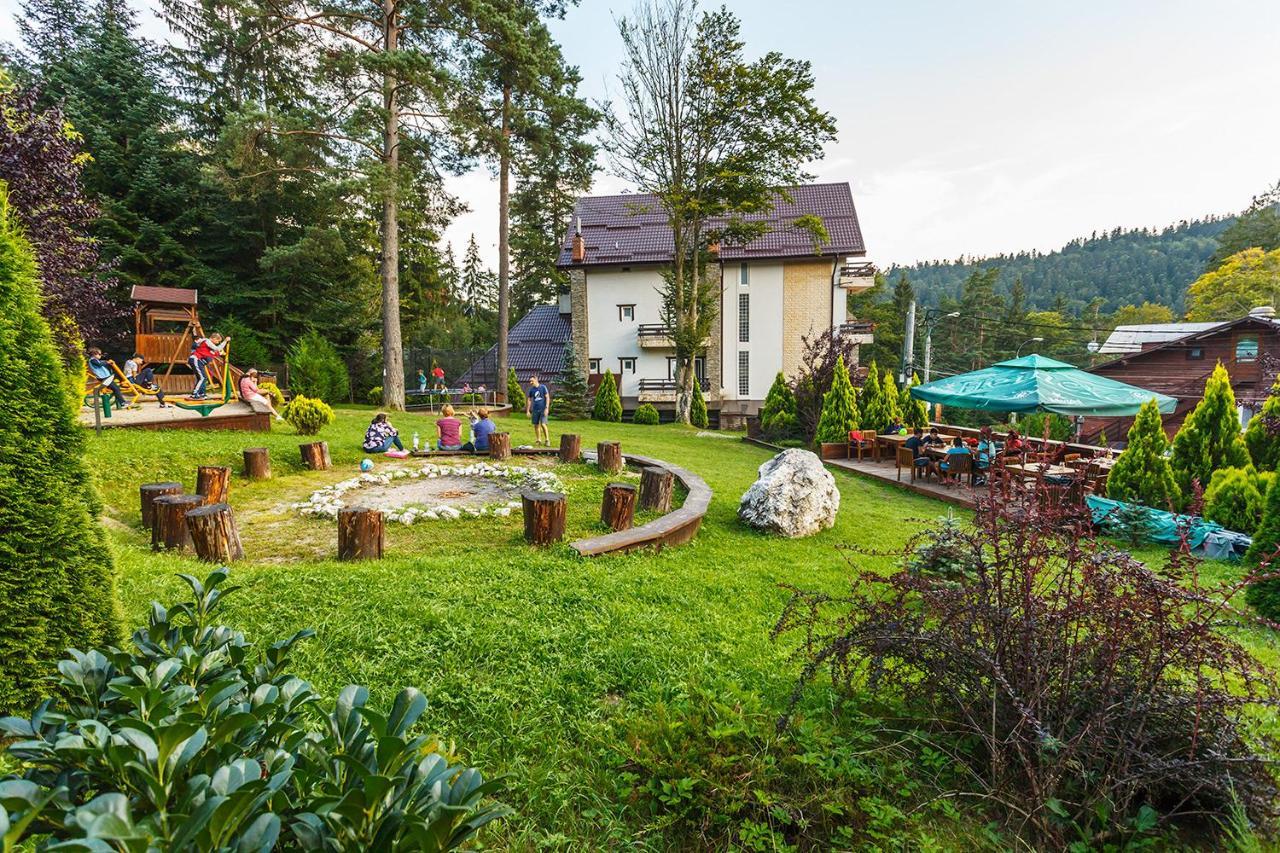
(158, 314)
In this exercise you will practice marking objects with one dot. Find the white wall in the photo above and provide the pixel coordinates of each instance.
(610, 338)
(766, 319)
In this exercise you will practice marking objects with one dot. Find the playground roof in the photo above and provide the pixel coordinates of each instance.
(163, 295)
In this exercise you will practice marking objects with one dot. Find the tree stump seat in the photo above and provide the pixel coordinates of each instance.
(618, 506)
(609, 456)
(544, 517)
(213, 533)
(360, 534)
(257, 463)
(169, 521)
(148, 492)
(316, 455)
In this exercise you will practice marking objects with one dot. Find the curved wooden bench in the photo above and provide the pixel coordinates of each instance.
(675, 528)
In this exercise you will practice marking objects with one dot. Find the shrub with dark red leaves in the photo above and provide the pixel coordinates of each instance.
(1092, 697)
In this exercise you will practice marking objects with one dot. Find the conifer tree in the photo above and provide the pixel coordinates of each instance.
(891, 395)
(778, 414)
(1210, 437)
(914, 412)
(515, 394)
(1235, 498)
(870, 405)
(698, 408)
(57, 585)
(1262, 435)
(1264, 596)
(1142, 473)
(839, 408)
(571, 395)
(608, 406)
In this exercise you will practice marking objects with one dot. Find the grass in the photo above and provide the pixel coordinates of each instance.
(628, 700)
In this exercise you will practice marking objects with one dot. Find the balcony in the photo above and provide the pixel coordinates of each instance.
(858, 331)
(857, 276)
(664, 390)
(654, 336)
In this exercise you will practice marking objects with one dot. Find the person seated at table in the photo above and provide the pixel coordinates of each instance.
(448, 430)
(1013, 443)
(381, 436)
(957, 448)
(481, 428)
(987, 448)
(895, 427)
(933, 439)
(916, 444)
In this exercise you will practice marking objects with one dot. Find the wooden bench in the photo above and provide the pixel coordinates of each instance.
(675, 528)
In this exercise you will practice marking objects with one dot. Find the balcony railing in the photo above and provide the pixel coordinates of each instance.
(659, 385)
(859, 275)
(654, 336)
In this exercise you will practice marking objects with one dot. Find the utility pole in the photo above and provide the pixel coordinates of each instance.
(908, 345)
(932, 317)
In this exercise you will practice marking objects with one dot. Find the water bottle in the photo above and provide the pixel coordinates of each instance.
(415, 441)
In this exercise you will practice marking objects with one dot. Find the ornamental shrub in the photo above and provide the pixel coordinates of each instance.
(839, 408)
(1235, 498)
(1142, 473)
(571, 390)
(374, 396)
(1210, 437)
(1264, 595)
(515, 394)
(645, 414)
(1262, 435)
(914, 412)
(1060, 428)
(307, 416)
(272, 392)
(316, 369)
(698, 408)
(889, 393)
(608, 406)
(191, 739)
(778, 420)
(870, 407)
(57, 582)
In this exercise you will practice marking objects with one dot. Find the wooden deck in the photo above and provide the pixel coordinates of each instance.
(233, 416)
(887, 472)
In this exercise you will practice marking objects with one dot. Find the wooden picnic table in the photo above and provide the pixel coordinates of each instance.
(1039, 469)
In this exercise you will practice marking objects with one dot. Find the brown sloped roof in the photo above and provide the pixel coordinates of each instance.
(631, 228)
(163, 295)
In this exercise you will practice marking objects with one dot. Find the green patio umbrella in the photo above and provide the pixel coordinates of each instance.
(1035, 383)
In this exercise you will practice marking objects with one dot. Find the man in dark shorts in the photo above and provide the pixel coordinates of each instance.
(537, 406)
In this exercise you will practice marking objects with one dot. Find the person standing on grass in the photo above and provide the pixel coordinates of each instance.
(537, 406)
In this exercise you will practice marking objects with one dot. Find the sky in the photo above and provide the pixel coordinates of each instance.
(993, 126)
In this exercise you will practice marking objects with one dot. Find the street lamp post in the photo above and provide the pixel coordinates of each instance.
(1024, 343)
(932, 317)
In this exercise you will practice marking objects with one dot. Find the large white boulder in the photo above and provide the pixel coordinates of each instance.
(795, 495)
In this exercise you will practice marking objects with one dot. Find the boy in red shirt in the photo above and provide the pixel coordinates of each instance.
(204, 351)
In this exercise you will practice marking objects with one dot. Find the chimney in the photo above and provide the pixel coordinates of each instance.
(579, 245)
(1265, 312)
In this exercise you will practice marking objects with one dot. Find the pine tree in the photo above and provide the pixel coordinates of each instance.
(1262, 435)
(608, 406)
(914, 412)
(870, 402)
(698, 408)
(839, 408)
(778, 414)
(890, 394)
(515, 394)
(1210, 437)
(1142, 473)
(477, 288)
(1264, 596)
(571, 395)
(57, 587)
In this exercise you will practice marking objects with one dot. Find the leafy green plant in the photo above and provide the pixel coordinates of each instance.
(374, 396)
(608, 405)
(1034, 425)
(839, 408)
(191, 740)
(778, 421)
(698, 408)
(1263, 594)
(515, 394)
(1142, 473)
(914, 412)
(247, 345)
(1209, 438)
(57, 581)
(645, 414)
(308, 416)
(316, 369)
(272, 392)
(1235, 497)
(1262, 435)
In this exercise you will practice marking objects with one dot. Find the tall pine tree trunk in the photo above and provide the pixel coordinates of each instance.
(392, 351)
(504, 242)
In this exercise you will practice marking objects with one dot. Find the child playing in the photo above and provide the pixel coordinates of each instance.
(204, 351)
(137, 372)
(100, 367)
(250, 393)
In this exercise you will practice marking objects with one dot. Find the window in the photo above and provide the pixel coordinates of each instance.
(1195, 353)
(1247, 349)
(593, 365)
(699, 367)
(744, 274)
(626, 313)
(744, 318)
(744, 373)
(627, 365)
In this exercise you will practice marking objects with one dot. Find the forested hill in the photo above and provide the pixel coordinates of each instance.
(1122, 267)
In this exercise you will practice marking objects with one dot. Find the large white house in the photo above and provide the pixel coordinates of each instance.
(773, 291)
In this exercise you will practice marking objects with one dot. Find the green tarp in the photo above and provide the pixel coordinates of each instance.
(1035, 383)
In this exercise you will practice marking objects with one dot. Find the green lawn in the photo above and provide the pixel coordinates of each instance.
(628, 699)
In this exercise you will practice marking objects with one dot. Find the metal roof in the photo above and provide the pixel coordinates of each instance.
(1130, 339)
(631, 228)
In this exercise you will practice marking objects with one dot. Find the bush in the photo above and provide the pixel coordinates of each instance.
(374, 396)
(515, 394)
(571, 390)
(1264, 592)
(645, 414)
(1060, 428)
(1209, 438)
(608, 406)
(1262, 435)
(57, 581)
(307, 416)
(914, 412)
(839, 408)
(1234, 499)
(248, 349)
(1084, 690)
(778, 420)
(817, 372)
(191, 740)
(1142, 473)
(273, 393)
(698, 408)
(316, 370)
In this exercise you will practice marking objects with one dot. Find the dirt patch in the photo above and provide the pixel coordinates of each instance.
(457, 492)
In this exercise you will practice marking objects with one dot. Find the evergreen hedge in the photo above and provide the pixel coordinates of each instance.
(839, 408)
(1262, 435)
(646, 415)
(608, 406)
(316, 370)
(891, 396)
(1142, 473)
(307, 416)
(698, 408)
(1210, 437)
(1264, 596)
(778, 421)
(1235, 498)
(914, 412)
(57, 582)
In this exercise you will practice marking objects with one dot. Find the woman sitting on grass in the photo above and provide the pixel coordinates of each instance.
(481, 428)
(381, 436)
(448, 430)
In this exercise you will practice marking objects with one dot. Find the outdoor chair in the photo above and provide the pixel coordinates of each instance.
(863, 443)
(906, 459)
(957, 466)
